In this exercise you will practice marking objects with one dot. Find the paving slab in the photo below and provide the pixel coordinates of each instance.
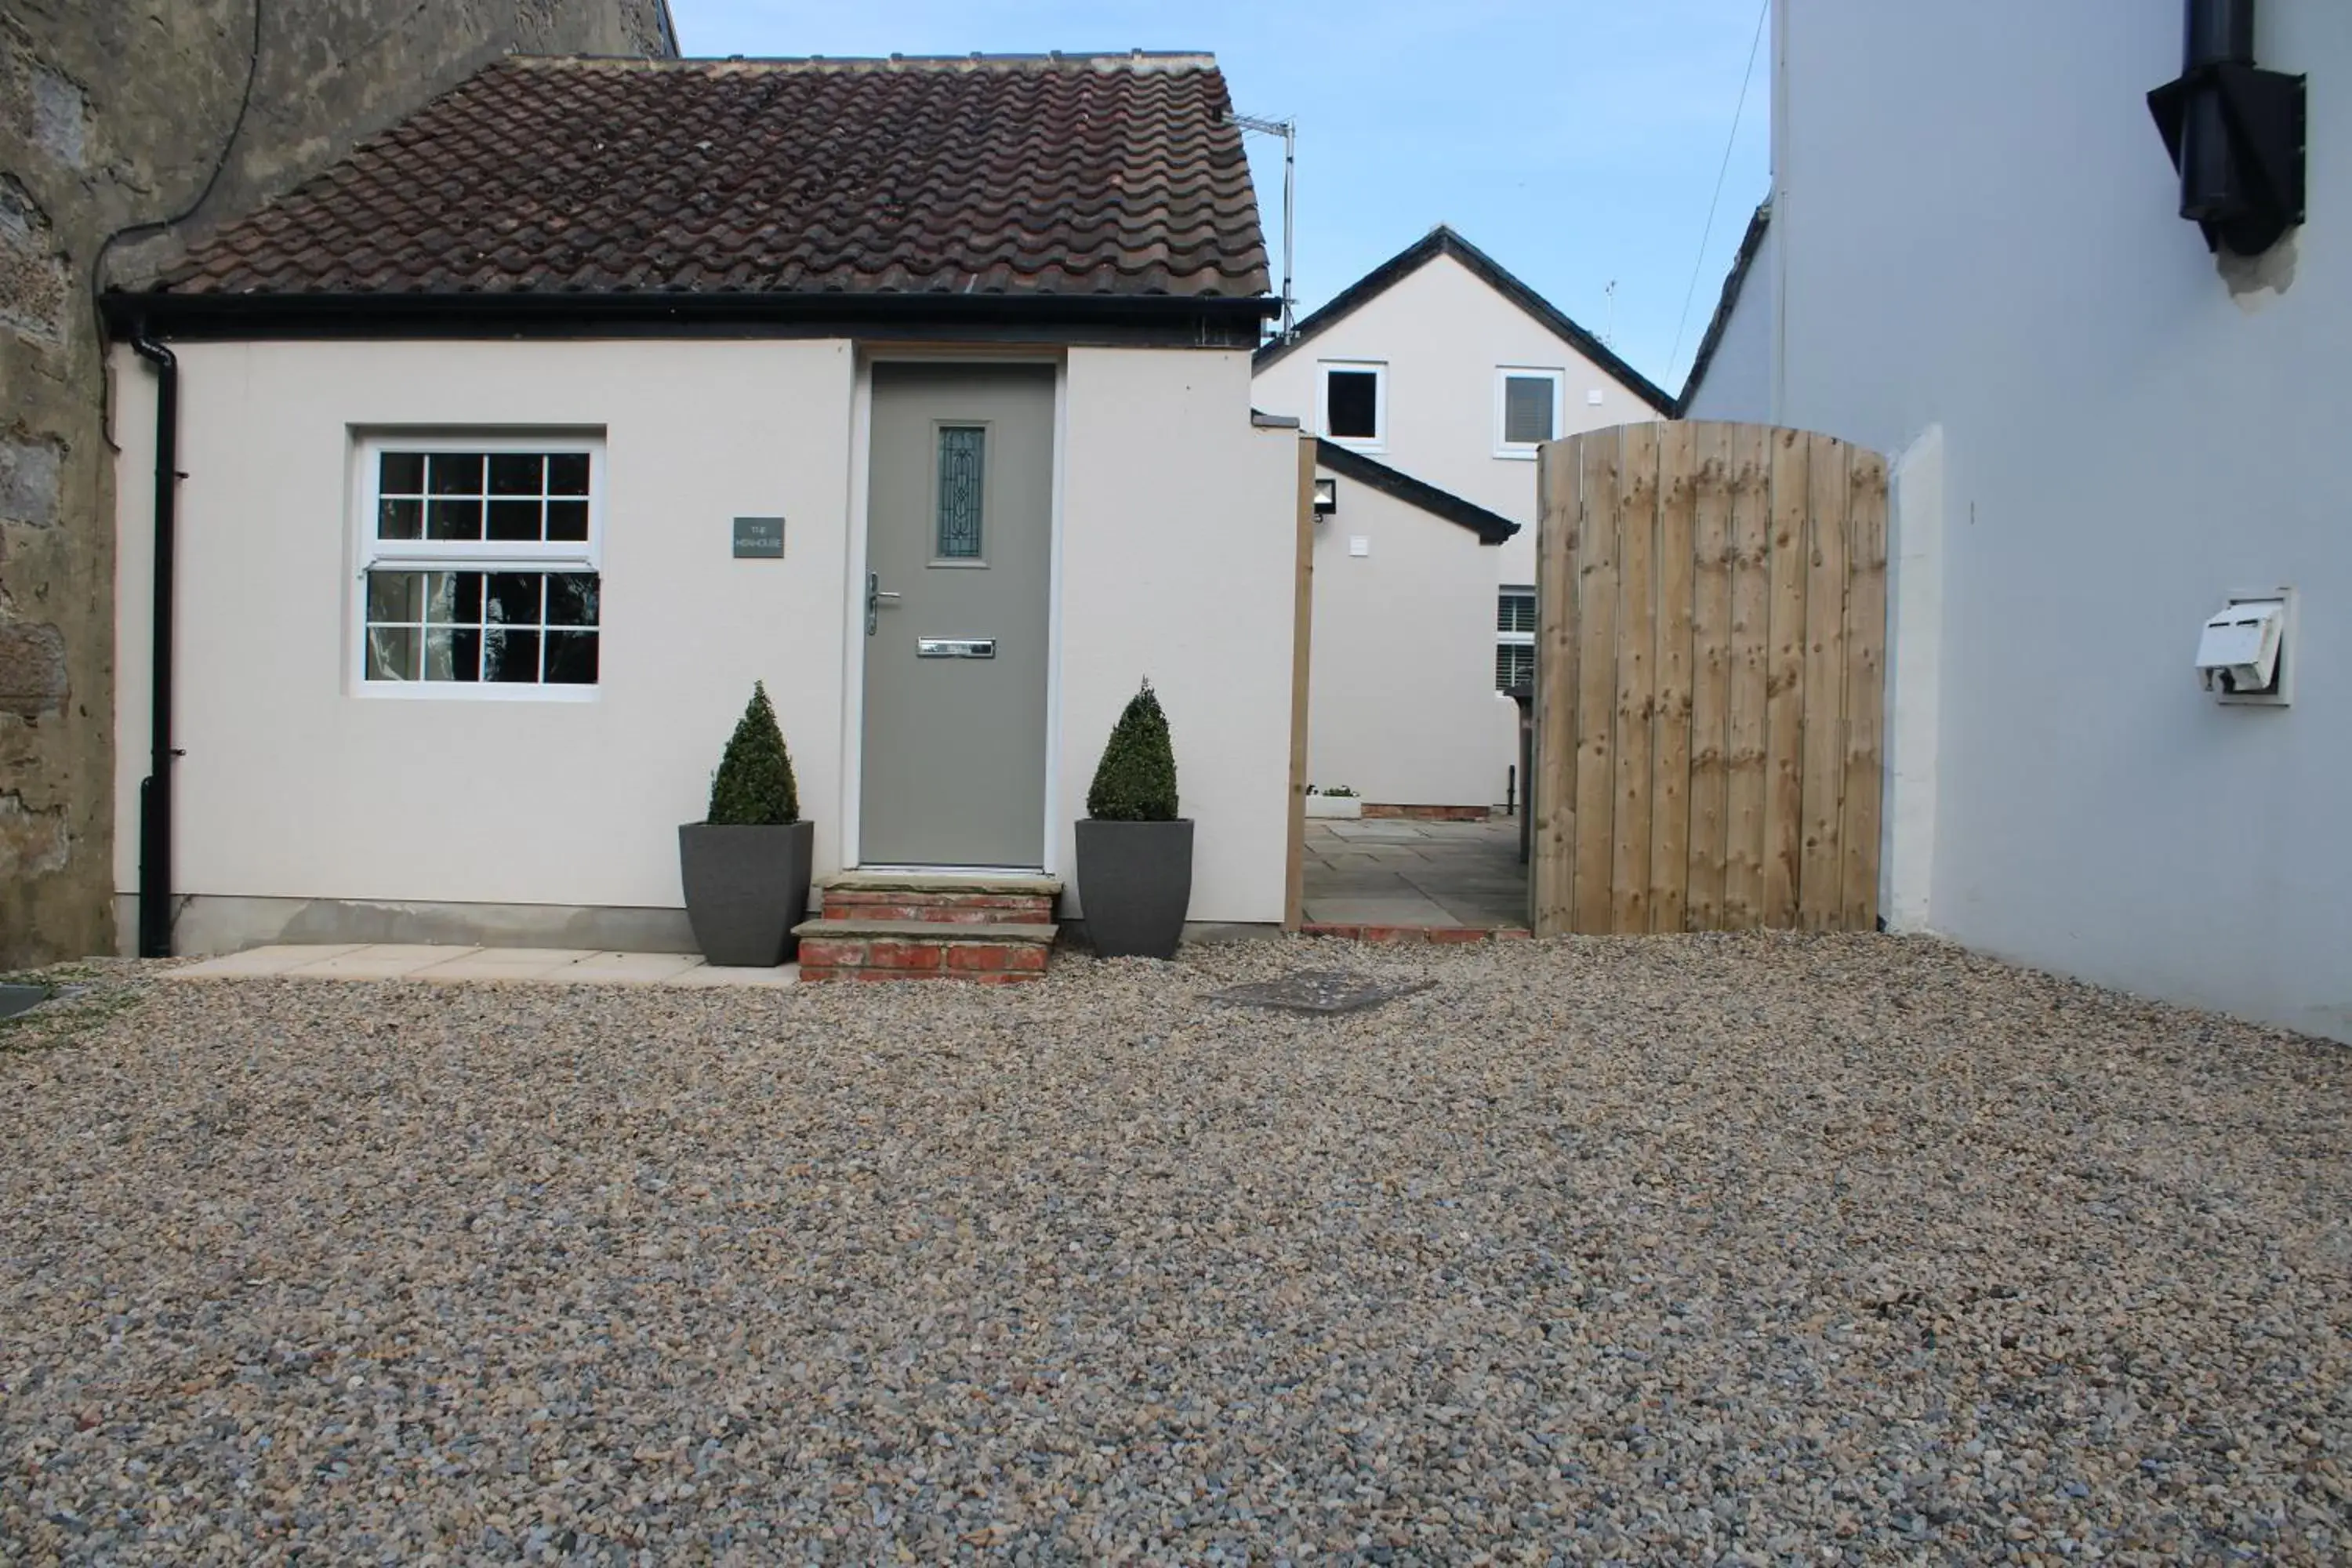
(376, 960)
(257, 963)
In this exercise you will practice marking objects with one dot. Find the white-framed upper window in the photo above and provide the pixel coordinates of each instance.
(479, 565)
(1526, 408)
(1515, 638)
(1351, 400)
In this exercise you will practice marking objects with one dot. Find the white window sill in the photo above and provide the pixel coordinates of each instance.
(1370, 446)
(1516, 453)
(472, 691)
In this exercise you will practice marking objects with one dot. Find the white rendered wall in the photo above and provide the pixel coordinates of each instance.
(1403, 666)
(1738, 384)
(292, 786)
(1180, 562)
(1443, 335)
(1983, 237)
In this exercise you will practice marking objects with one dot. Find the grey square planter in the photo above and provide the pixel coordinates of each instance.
(746, 888)
(1135, 884)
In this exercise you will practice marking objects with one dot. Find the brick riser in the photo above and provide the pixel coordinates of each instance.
(903, 958)
(950, 908)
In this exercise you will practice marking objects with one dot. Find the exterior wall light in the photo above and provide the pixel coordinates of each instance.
(1327, 498)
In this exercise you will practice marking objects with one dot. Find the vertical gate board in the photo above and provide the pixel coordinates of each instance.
(1745, 750)
(1551, 793)
(1596, 675)
(1784, 674)
(1818, 883)
(1866, 692)
(1637, 619)
(1710, 674)
(1669, 743)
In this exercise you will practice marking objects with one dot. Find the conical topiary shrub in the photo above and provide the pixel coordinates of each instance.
(754, 786)
(1136, 779)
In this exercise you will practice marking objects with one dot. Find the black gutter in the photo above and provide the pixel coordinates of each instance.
(1717, 324)
(1491, 527)
(155, 791)
(1216, 322)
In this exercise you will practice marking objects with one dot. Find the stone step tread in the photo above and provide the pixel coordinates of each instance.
(942, 882)
(1018, 933)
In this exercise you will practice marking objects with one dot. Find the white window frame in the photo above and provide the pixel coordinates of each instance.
(1525, 451)
(369, 553)
(1378, 441)
(1504, 639)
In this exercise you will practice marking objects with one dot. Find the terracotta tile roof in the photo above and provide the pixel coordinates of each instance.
(1109, 175)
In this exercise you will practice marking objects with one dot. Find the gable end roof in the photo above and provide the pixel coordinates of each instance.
(1443, 241)
(1020, 178)
(1492, 528)
(1749, 243)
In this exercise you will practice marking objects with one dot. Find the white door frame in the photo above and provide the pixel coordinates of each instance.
(853, 706)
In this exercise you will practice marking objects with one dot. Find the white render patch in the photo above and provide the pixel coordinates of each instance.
(454, 964)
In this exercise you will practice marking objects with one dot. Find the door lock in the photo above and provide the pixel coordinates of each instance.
(874, 597)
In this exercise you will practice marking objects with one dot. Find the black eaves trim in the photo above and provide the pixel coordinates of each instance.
(1749, 243)
(1492, 528)
(1444, 241)
(1168, 319)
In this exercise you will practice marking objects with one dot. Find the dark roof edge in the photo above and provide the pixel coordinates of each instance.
(1443, 241)
(1749, 243)
(1492, 528)
(1211, 322)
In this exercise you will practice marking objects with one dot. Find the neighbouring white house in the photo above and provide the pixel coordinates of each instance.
(1441, 367)
(520, 444)
(2103, 433)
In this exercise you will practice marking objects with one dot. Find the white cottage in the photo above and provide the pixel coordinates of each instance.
(516, 446)
(1440, 366)
(2107, 424)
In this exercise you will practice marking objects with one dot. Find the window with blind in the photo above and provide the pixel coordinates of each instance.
(1515, 638)
(1527, 409)
(480, 567)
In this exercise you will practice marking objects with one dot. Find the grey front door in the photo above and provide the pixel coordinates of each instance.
(958, 549)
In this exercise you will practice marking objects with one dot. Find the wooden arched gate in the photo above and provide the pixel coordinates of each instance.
(1711, 628)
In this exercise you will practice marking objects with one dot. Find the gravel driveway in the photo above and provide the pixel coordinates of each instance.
(1676, 1250)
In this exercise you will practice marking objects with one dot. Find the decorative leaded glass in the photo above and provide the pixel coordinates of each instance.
(962, 459)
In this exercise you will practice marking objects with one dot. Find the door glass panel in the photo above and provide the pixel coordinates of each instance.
(962, 455)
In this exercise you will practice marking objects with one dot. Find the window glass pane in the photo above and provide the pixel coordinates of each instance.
(571, 659)
(514, 520)
(1527, 409)
(510, 655)
(396, 596)
(963, 455)
(455, 473)
(515, 473)
(1514, 611)
(1352, 402)
(400, 519)
(571, 599)
(514, 598)
(392, 653)
(453, 653)
(1515, 665)
(453, 520)
(567, 473)
(401, 473)
(567, 521)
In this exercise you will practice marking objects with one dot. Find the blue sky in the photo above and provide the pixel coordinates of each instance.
(1577, 141)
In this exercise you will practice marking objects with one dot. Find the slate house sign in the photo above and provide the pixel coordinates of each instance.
(759, 538)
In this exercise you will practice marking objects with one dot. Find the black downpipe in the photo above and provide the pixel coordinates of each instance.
(155, 792)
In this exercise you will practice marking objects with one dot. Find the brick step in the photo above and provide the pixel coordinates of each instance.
(950, 898)
(995, 953)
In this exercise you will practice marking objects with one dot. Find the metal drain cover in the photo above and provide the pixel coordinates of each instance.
(1320, 991)
(16, 999)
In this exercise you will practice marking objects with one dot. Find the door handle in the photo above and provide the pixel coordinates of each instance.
(874, 597)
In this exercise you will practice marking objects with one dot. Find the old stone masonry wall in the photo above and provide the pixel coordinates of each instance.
(121, 114)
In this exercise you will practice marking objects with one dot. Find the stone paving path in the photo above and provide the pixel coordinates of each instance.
(1392, 872)
(537, 966)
